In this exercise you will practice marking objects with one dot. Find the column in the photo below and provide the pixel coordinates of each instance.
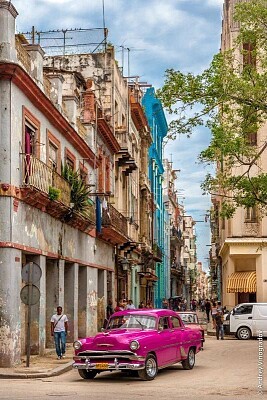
(42, 315)
(87, 301)
(10, 323)
(71, 299)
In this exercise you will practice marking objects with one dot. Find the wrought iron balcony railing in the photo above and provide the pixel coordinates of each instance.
(112, 217)
(40, 176)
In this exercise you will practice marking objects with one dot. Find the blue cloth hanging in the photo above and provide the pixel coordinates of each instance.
(98, 211)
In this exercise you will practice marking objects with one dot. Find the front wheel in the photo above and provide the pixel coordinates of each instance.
(244, 333)
(87, 374)
(190, 361)
(151, 369)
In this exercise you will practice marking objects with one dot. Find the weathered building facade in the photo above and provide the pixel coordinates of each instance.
(158, 126)
(74, 156)
(239, 244)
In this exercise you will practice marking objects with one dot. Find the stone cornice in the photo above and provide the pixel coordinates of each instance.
(242, 241)
(9, 6)
(16, 74)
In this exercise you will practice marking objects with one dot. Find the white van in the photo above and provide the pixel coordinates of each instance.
(246, 320)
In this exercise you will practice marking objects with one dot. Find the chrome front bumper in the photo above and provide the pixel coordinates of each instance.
(115, 365)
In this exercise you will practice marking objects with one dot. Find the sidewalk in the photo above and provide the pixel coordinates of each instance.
(40, 366)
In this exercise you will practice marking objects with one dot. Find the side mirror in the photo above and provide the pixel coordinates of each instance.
(160, 329)
(233, 312)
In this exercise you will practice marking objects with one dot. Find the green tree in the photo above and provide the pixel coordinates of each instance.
(230, 98)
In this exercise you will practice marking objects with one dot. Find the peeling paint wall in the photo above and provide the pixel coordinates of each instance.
(10, 329)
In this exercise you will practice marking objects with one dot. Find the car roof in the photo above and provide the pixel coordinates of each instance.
(147, 311)
(186, 312)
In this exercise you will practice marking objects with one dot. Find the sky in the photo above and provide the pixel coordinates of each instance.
(159, 34)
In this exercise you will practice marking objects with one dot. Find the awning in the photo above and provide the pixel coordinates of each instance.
(242, 282)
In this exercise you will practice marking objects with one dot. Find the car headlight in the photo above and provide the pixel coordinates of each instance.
(77, 345)
(134, 345)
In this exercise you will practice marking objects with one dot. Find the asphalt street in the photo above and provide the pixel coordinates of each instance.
(225, 369)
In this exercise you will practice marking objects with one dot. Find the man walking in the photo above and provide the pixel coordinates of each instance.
(208, 309)
(219, 325)
(59, 329)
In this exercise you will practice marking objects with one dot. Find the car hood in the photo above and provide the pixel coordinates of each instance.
(114, 339)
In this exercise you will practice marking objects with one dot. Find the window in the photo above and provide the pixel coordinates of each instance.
(53, 158)
(31, 133)
(251, 214)
(245, 309)
(70, 159)
(249, 55)
(163, 323)
(175, 322)
(83, 173)
(252, 139)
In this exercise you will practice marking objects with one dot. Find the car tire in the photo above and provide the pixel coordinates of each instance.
(190, 360)
(151, 369)
(244, 333)
(87, 374)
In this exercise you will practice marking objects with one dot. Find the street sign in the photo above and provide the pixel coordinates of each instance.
(31, 272)
(30, 294)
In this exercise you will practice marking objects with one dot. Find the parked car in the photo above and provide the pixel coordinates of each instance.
(190, 319)
(138, 340)
(246, 320)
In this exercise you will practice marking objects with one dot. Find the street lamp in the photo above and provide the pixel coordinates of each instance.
(125, 264)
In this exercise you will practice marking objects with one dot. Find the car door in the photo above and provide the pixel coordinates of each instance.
(177, 329)
(241, 316)
(259, 321)
(165, 343)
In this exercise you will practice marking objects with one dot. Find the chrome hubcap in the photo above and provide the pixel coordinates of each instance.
(151, 367)
(191, 358)
(244, 334)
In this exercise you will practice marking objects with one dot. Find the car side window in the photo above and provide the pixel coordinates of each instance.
(175, 322)
(163, 323)
(243, 310)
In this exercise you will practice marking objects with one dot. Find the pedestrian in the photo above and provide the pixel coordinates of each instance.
(59, 329)
(220, 307)
(219, 325)
(208, 308)
(141, 304)
(149, 304)
(202, 305)
(110, 310)
(213, 313)
(130, 305)
(119, 306)
(165, 303)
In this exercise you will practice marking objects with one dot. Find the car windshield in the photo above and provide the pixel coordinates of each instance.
(189, 318)
(132, 321)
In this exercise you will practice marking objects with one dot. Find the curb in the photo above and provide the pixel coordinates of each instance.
(28, 375)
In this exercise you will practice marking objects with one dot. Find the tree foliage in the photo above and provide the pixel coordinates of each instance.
(230, 98)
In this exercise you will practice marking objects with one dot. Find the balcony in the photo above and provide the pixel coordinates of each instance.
(124, 156)
(157, 253)
(40, 182)
(176, 236)
(114, 226)
(177, 270)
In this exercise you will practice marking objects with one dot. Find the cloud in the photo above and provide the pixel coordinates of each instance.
(179, 34)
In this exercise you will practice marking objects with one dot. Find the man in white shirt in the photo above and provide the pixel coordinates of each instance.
(130, 305)
(59, 329)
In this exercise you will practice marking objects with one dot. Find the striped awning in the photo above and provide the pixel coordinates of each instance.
(242, 282)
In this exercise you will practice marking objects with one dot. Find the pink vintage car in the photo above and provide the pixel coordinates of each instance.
(138, 340)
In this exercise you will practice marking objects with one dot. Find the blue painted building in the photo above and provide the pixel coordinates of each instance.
(158, 126)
